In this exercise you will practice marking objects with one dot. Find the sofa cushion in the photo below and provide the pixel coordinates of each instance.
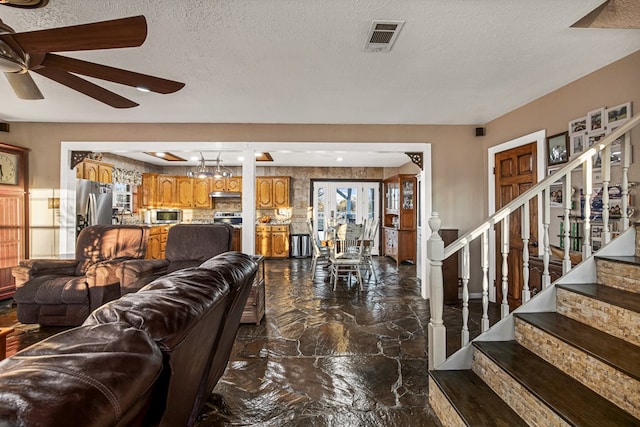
(212, 239)
(54, 290)
(104, 242)
(100, 375)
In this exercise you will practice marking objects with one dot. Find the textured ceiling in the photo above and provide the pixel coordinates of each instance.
(276, 61)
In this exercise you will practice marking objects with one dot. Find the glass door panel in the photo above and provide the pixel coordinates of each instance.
(339, 202)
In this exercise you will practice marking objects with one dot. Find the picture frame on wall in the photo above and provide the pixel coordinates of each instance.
(595, 120)
(616, 116)
(555, 199)
(578, 125)
(558, 149)
(577, 142)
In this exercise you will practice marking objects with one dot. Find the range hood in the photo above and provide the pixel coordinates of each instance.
(225, 194)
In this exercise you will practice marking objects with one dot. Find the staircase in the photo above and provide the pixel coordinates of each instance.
(572, 356)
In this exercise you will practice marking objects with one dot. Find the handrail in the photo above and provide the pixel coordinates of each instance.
(529, 194)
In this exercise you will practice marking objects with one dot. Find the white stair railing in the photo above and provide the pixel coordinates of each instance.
(436, 252)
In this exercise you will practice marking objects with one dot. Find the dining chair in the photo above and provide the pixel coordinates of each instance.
(349, 231)
(320, 253)
(345, 260)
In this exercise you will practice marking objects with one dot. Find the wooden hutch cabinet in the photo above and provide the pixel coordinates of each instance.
(399, 224)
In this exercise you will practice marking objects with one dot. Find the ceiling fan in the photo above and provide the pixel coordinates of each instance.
(21, 53)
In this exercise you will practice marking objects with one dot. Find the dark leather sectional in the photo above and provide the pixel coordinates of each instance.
(148, 358)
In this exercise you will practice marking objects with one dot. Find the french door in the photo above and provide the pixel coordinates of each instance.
(341, 202)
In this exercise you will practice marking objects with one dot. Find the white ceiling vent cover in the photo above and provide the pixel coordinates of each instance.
(382, 35)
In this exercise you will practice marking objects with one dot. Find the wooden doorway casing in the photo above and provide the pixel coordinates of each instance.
(539, 137)
(515, 172)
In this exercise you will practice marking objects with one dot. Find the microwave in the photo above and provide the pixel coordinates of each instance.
(163, 216)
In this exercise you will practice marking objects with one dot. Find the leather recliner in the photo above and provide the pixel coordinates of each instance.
(62, 292)
(188, 245)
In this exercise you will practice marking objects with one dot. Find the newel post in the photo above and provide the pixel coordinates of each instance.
(437, 331)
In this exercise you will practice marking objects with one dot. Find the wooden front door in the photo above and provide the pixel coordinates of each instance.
(515, 172)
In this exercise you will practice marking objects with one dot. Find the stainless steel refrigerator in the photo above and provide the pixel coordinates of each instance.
(94, 202)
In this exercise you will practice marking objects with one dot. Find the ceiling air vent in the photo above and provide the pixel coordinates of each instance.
(382, 35)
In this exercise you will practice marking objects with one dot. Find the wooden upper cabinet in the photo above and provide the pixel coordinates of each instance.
(281, 191)
(166, 195)
(201, 190)
(149, 190)
(184, 190)
(232, 184)
(272, 192)
(218, 184)
(264, 192)
(94, 170)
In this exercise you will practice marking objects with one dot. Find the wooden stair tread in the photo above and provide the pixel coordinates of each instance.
(618, 297)
(575, 403)
(474, 400)
(611, 350)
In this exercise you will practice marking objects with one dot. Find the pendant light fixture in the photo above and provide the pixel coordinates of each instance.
(201, 170)
(221, 171)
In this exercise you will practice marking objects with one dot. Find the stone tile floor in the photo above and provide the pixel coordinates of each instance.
(323, 358)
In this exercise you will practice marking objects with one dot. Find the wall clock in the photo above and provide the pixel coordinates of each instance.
(9, 168)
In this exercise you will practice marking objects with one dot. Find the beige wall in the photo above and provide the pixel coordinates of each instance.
(449, 143)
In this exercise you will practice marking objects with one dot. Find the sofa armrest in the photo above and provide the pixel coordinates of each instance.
(131, 272)
(31, 268)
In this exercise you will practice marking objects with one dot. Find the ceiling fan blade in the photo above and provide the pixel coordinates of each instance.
(83, 86)
(116, 75)
(24, 86)
(117, 33)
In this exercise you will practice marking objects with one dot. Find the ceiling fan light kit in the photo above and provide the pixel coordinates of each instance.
(32, 51)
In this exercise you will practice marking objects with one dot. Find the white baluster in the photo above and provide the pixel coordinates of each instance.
(526, 292)
(606, 178)
(437, 338)
(465, 295)
(587, 180)
(504, 307)
(626, 162)
(546, 217)
(484, 325)
(566, 261)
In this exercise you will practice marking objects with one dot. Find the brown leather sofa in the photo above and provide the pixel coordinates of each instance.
(188, 245)
(148, 358)
(62, 292)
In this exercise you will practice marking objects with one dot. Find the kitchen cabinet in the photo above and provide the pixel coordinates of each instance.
(399, 221)
(94, 170)
(166, 192)
(233, 184)
(272, 241)
(175, 191)
(272, 192)
(184, 192)
(149, 190)
(157, 242)
(201, 190)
